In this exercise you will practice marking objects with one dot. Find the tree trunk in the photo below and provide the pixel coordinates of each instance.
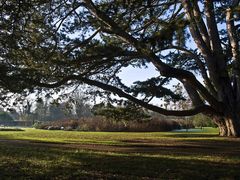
(233, 127)
(221, 125)
(229, 127)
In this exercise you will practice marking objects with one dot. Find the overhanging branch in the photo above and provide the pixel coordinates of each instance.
(164, 69)
(201, 66)
(204, 108)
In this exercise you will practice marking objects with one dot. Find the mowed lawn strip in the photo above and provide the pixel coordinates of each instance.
(58, 136)
(90, 155)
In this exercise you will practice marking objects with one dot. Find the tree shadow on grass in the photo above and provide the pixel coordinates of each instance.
(60, 163)
(11, 129)
(191, 135)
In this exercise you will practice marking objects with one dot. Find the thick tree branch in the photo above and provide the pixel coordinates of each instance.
(198, 39)
(164, 69)
(201, 66)
(204, 108)
(212, 28)
(231, 29)
(214, 57)
(120, 93)
(232, 35)
(193, 94)
(200, 23)
(183, 75)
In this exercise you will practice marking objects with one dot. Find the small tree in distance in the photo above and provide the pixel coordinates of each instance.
(80, 105)
(201, 121)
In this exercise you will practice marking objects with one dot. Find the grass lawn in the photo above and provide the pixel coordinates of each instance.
(44, 154)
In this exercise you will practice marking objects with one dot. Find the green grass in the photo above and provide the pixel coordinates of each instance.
(39, 154)
(102, 137)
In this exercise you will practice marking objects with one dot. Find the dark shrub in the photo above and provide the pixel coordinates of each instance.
(11, 129)
(102, 124)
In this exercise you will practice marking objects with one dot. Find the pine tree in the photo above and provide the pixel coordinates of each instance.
(60, 43)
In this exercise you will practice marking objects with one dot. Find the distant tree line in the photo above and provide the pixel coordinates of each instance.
(4, 116)
(123, 115)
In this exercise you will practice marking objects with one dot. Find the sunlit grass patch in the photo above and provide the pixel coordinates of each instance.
(101, 137)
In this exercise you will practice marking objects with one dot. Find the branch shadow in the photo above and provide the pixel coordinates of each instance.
(34, 162)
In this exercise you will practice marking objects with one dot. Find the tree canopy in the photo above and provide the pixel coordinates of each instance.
(126, 112)
(63, 43)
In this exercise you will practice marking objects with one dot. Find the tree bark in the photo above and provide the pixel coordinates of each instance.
(233, 126)
(228, 126)
(221, 125)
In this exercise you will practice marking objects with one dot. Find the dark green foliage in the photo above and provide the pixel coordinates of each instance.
(201, 120)
(51, 112)
(41, 40)
(57, 112)
(5, 117)
(154, 87)
(53, 41)
(54, 44)
(128, 112)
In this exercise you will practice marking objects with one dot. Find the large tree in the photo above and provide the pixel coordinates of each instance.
(195, 42)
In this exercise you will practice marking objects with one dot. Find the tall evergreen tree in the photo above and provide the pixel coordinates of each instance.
(60, 43)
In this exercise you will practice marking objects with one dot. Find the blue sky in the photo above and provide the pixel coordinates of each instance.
(130, 74)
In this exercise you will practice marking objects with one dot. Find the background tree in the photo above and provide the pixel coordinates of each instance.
(57, 112)
(4, 116)
(79, 104)
(42, 110)
(14, 114)
(51, 111)
(26, 111)
(73, 42)
(200, 120)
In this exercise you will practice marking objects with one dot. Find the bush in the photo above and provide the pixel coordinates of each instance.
(200, 120)
(39, 125)
(99, 123)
